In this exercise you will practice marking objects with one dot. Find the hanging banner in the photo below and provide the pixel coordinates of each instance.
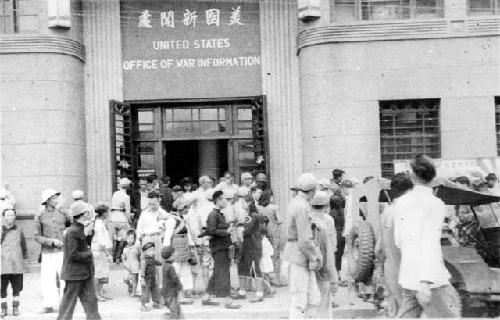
(190, 49)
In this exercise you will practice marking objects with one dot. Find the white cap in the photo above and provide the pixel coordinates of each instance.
(307, 182)
(320, 198)
(246, 175)
(77, 194)
(124, 182)
(324, 183)
(47, 194)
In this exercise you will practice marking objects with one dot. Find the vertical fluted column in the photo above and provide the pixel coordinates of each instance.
(103, 82)
(281, 86)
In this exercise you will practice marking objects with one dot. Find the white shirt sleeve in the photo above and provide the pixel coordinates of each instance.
(169, 231)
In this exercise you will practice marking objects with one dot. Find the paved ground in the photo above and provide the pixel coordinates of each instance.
(122, 307)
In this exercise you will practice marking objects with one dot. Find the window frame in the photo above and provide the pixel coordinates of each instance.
(359, 6)
(401, 136)
(13, 25)
(495, 9)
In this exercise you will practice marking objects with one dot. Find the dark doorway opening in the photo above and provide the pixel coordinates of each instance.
(194, 158)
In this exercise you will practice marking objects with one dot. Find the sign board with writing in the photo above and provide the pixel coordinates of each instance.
(473, 168)
(190, 49)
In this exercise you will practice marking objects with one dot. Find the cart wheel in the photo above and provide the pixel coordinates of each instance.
(361, 251)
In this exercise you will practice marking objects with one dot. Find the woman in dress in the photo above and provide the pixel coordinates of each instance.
(270, 210)
(101, 251)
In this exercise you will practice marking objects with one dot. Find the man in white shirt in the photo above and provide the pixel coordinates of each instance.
(150, 227)
(418, 219)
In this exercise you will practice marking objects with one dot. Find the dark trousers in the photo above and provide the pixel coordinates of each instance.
(172, 303)
(83, 289)
(220, 282)
(150, 290)
(16, 282)
(340, 250)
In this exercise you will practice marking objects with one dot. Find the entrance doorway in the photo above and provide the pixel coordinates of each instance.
(189, 138)
(195, 158)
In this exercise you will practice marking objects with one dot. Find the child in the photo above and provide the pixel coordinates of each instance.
(171, 284)
(101, 251)
(266, 264)
(149, 285)
(130, 258)
(13, 252)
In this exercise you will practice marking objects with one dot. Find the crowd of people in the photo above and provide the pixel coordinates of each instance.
(177, 244)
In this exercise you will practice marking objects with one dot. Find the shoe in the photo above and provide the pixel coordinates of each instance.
(15, 311)
(131, 295)
(209, 302)
(101, 299)
(239, 296)
(269, 294)
(144, 308)
(157, 306)
(232, 305)
(257, 299)
(47, 310)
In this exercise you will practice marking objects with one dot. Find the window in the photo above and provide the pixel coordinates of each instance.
(145, 123)
(497, 122)
(352, 10)
(408, 128)
(145, 155)
(483, 7)
(200, 120)
(19, 16)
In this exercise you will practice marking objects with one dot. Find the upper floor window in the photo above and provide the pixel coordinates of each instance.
(408, 128)
(352, 10)
(497, 122)
(19, 16)
(483, 7)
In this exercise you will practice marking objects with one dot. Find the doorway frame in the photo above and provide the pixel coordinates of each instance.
(159, 139)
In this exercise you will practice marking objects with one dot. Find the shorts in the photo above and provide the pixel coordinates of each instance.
(119, 230)
(16, 282)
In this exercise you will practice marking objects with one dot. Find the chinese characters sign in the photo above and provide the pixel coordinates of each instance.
(190, 49)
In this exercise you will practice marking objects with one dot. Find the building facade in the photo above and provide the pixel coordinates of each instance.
(91, 90)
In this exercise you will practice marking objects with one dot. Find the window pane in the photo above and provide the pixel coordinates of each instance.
(428, 9)
(145, 127)
(182, 114)
(209, 126)
(343, 11)
(245, 114)
(208, 114)
(168, 115)
(385, 10)
(146, 161)
(182, 127)
(481, 7)
(145, 116)
(146, 147)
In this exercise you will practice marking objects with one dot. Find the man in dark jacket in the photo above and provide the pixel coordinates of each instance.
(78, 269)
(219, 284)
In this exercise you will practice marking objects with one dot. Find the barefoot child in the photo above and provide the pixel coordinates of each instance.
(13, 252)
(149, 283)
(130, 258)
(171, 284)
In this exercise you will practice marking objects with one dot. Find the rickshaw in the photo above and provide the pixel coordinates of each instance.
(473, 264)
